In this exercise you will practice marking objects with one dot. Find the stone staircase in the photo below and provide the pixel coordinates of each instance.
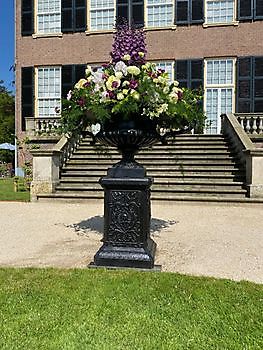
(191, 167)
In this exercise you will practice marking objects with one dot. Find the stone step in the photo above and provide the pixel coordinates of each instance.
(141, 157)
(207, 168)
(87, 176)
(155, 149)
(158, 186)
(99, 193)
(160, 161)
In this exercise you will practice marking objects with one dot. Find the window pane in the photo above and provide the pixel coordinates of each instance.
(101, 14)
(49, 16)
(219, 72)
(167, 67)
(160, 13)
(219, 11)
(49, 90)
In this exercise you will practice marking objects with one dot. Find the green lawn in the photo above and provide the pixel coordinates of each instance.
(110, 310)
(7, 191)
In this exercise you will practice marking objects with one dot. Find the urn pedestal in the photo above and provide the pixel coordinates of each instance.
(126, 241)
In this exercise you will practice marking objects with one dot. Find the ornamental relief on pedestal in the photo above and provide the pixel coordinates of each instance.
(125, 217)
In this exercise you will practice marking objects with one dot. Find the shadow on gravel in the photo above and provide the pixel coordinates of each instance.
(95, 225)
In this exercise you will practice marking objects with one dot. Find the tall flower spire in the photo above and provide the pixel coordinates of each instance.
(130, 43)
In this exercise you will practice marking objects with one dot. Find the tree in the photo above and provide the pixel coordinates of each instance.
(7, 121)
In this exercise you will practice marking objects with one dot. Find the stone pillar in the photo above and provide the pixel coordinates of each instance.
(45, 172)
(254, 172)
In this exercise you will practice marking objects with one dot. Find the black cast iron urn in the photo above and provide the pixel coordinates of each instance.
(127, 211)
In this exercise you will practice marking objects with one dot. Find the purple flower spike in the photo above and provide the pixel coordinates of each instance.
(128, 41)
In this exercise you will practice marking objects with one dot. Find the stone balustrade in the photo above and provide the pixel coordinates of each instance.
(38, 126)
(250, 156)
(252, 123)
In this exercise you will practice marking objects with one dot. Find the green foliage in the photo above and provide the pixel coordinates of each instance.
(8, 193)
(117, 310)
(126, 92)
(7, 116)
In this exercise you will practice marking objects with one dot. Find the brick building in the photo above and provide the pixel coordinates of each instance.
(216, 44)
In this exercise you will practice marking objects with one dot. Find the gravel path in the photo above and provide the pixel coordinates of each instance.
(223, 241)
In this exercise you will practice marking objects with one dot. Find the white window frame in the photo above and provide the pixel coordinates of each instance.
(97, 9)
(219, 87)
(47, 13)
(47, 97)
(158, 3)
(165, 62)
(209, 24)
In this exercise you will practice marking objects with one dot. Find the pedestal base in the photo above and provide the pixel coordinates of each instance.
(139, 257)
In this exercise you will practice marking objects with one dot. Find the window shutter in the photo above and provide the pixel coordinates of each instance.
(182, 11)
(79, 72)
(137, 13)
(67, 16)
(197, 11)
(190, 73)
(67, 79)
(123, 9)
(27, 17)
(71, 74)
(245, 10)
(196, 74)
(132, 10)
(258, 9)
(80, 15)
(27, 94)
(258, 84)
(182, 73)
(244, 101)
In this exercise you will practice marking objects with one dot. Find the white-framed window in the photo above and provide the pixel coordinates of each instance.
(219, 11)
(159, 13)
(219, 91)
(168, 66)
(102, 14)
(48, 91)
(48, 16)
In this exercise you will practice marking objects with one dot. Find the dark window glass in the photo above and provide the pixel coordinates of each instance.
(182, 11)
(244, 89)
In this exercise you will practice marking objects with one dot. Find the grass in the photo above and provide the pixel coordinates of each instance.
(124, 310)
(7, 192)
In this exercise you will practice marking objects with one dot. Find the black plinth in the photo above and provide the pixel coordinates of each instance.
(126, 240)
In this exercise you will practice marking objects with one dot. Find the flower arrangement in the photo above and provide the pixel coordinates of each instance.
(129, 87)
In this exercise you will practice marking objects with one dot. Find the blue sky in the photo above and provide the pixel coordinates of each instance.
(7, 42)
